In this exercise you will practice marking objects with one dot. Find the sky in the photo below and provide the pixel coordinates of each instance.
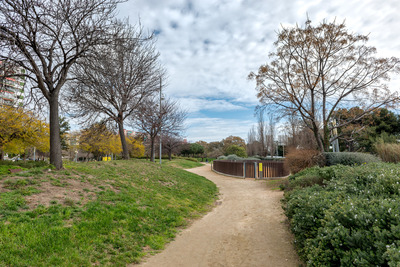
(209, 48)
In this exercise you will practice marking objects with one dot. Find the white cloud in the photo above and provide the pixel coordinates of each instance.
(216, 129)
(209, 47)
(197, 104)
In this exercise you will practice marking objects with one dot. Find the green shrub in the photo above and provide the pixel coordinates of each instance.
(388, 152)
(353, 219)
(348, 158)
(311, 176)
(236, 150)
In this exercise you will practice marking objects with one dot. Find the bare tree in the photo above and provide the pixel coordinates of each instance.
(316, 70)
(253, 146)
(270, 135)
(114, 81)
(151, 119)
(46, 38)
(261, 132)
(171, 144)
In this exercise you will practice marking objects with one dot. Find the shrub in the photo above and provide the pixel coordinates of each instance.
(235, 157)
(348, 158)
(311, 176)
(352, 220)
(236, 150)
(388, 152)
(300, 159)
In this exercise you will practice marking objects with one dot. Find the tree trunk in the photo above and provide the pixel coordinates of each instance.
(170, 155)
(1, 155)
(125, 151)
(152, 149)
(317, 137)
(326, 138)
(55, 142)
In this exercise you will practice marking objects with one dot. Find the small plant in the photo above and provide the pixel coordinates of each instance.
(69, 202)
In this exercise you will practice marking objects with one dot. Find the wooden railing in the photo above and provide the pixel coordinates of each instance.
(259, 169)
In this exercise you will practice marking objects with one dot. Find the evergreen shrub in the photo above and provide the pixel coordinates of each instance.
(348, 158)
(352, 219)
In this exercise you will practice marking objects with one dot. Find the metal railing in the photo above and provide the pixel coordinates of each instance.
(259, 169)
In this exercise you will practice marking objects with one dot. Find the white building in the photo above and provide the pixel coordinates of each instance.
(12, 88)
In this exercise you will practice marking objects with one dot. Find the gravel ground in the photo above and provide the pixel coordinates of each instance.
(246, 228)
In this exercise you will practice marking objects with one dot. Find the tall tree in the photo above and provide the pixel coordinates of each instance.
(315, 70)
(362, 134)
(114, 82)
(215, 149)
(253, 145)
(261, 132)
(99, 140)
(233, 140)
(21, 129)
(152, 119)
(171, 144)
(46, 38)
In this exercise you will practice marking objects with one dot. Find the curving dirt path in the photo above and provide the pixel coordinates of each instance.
(246, 228)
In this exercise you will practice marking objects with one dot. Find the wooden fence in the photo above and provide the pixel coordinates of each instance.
(259, 169)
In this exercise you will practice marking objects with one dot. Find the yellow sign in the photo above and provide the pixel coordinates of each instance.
(106, 158)
(260, 167)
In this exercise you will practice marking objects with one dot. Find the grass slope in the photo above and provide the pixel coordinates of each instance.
(182, 163)
(102, 213)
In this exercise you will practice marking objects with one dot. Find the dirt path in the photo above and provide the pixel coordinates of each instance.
(245, 229)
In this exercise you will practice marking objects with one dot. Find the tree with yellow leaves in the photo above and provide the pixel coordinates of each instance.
(99, 140)
(20, 129)
(135, 147)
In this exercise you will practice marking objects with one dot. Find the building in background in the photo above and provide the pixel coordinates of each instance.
(11, 87)
(129, 133)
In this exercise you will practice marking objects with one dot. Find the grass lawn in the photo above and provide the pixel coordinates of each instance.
(98, 213)
(181, 163)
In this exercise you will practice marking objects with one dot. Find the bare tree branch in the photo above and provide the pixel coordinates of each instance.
(317, 70)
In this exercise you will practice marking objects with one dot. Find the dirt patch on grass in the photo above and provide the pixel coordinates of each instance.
(73, 192)
(53, 189)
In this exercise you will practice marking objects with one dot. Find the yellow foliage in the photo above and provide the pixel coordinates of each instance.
(99, 140)
(20, 129)
(135, 147)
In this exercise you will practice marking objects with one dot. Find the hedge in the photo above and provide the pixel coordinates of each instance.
(352, 218)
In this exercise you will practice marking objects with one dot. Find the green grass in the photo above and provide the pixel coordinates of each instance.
(129, 208)
(182, 163)
(276, 184)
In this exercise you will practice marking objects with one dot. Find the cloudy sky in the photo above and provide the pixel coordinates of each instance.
(209, 47)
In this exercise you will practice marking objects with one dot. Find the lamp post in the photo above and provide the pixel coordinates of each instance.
(160, 119)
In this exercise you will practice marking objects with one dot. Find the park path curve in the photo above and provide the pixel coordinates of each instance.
(246, 228)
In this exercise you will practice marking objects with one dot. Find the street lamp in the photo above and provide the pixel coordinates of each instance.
(160, 120)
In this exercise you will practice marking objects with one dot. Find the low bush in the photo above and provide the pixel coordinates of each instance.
(353, 219)
(348, 158)
(235, 157)
(300, 159)
(388, 152)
